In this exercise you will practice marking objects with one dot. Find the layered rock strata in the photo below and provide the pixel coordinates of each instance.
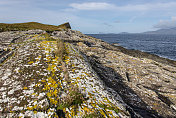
(90, 79)
(33, 83)
(147, 83)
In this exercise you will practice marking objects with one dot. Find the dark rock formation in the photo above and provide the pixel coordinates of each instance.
(65, 26)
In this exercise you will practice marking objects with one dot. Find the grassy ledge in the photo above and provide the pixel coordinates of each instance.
(31, 26)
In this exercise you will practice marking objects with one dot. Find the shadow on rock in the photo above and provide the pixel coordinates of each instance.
(136, 106)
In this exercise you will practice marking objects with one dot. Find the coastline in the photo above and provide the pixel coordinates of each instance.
(113, 39)
(137, 84)
(141, 54)
(140, 78)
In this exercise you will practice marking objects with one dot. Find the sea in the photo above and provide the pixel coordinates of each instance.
(158, 44)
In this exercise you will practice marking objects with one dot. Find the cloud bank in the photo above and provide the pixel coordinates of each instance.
(166, 24)
(92, 6)
(128, 7)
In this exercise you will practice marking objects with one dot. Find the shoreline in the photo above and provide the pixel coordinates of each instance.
(140, 85)
(144, 81)
(141, 54)
(118, 45)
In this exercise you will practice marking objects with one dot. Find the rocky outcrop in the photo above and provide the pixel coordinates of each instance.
(9, 38)
(37, 81)
(65, 26)
(90, 78)
(145, 82)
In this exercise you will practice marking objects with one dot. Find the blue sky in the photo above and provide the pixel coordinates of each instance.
(93, 16)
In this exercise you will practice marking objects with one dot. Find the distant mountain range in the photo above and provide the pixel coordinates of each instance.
(124, 33)
(162, 31)
(171, 31)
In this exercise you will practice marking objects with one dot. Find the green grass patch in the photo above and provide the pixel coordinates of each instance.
(62, 106)
(61, 51)
(77, 97)
(32, 26)
(74, 97)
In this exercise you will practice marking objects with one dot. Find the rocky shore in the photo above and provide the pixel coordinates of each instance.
(94, 78)
(145, 82)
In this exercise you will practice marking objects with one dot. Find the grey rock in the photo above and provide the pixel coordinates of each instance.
(145, 82)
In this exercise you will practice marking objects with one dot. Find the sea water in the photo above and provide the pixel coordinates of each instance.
(161, 45)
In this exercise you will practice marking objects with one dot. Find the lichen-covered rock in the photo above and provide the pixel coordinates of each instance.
(41, 76)
(37, 82)
(144, 81)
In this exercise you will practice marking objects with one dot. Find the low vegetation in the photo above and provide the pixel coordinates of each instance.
(60, 49)
(74, 97)
(31, 26)
(93, 115)
(57, 82)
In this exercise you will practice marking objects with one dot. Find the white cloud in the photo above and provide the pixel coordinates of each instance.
(129, 7)
(164, 24)
(92, 6)
(148, 7)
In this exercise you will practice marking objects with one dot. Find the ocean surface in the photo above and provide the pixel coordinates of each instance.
(161, 45)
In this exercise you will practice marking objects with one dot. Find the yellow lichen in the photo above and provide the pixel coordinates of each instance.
(31, 62)
(25, 88)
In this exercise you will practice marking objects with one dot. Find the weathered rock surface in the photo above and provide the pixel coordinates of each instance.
(33, 83)
(8, 38)
(146, 85)
(106, 80)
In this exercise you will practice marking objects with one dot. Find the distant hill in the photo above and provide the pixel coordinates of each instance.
(124, 33)
(31, 26)
(162, 31)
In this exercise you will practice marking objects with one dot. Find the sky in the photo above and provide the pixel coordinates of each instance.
(93, 16)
